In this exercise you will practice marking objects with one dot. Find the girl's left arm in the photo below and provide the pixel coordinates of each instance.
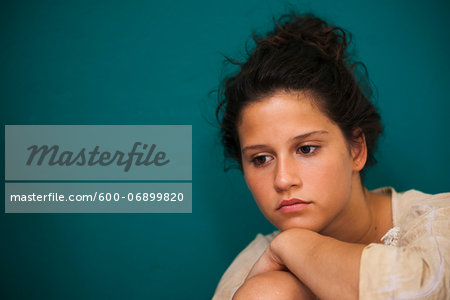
(328, 267)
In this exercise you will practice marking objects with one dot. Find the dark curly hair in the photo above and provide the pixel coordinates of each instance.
(302, 53)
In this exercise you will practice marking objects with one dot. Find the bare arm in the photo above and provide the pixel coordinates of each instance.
(328, 267)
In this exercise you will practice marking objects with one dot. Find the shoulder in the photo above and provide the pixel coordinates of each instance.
(420, 217)
(236, 273)
(414, 207)
(409, 205)
(418, 197)
(423, 249)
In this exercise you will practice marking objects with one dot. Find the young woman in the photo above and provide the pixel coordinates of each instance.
(298, 120)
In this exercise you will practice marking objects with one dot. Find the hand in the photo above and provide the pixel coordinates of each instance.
(271, 259)
(276, 279)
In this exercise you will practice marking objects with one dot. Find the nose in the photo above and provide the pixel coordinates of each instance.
(287, 174)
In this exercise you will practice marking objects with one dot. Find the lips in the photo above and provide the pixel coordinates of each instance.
(292, 205)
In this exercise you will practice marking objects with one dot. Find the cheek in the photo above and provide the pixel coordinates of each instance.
(260, 187)
(328, 176)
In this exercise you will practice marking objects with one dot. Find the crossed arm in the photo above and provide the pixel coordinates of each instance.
(304, 263)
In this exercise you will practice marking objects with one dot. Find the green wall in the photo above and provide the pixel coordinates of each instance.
(155, 62)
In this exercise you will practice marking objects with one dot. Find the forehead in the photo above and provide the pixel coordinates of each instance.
(282, 115)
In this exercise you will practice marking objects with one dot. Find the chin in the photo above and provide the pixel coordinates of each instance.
(297, 224)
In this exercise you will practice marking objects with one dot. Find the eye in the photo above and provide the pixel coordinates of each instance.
(307, 149)
(259, 161)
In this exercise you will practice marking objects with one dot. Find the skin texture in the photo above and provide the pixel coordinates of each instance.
(290, 149)
(322, 177)
(274, 285)
(325, 266)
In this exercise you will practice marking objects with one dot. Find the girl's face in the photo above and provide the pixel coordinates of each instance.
(297, 163)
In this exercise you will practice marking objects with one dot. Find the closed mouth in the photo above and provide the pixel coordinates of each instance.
(292, 202)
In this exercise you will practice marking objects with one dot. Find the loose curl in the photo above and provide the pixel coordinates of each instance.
(302, 54)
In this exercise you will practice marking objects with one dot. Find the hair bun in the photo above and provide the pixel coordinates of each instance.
(309, 30)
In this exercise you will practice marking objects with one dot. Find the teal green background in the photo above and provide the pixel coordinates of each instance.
(155, 62)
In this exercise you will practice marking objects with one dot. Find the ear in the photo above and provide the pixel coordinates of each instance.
(359, 150)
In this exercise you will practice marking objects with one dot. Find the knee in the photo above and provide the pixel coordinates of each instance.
(273, 285)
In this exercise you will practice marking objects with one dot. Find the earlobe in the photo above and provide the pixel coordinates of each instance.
(359, 150)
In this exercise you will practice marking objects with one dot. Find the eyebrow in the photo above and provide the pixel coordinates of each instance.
(297, 138)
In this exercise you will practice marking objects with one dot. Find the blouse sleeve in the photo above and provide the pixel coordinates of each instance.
(419, 266)
(236, 273)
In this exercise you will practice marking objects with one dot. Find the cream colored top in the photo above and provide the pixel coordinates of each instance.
(413, 262)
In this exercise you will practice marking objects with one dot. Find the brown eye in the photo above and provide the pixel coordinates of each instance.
(308, 149)
(260, 160)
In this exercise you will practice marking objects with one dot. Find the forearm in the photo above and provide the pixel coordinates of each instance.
(327, 266)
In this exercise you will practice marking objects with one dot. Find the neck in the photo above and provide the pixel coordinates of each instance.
(382, 217)
(365, 219)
